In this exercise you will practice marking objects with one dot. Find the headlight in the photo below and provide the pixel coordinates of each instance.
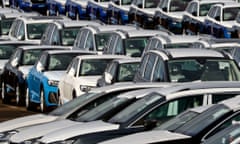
(5, 136)
(53, 82)
(85, 88)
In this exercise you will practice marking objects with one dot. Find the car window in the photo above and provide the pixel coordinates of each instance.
(212, 11)
(89, 45)
(5, 25)
(21, 31)
(73, 66)
(151, 3)
(149, 67)
(229, 14)
(68, 36)
(35, 30)
(126, 2)
(127, 71)
(102, 40)
(143, 65)
(30, 56)
(118, 47)
(135, 46)
(159, 71)
(204, 8)
(172, 108)
(219, 97)
(111, 43)
(178, 5)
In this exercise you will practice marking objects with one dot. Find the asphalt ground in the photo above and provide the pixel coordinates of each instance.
(10, 111)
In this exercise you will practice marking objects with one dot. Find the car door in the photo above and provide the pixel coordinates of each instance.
(70, 79)
(36, 75)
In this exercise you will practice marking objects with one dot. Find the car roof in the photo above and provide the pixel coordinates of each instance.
(210, 1)
(17, 14)
(29, 47)
(67, 51)
(71, 23)
(105, 28)
(232, 103)
(178, 38)
(189, 52)
(15, 42)
(181, 90)
(227, 4)
(105, 56)
(129, 85)
(32, 19)
(128, 60)
(141, 32)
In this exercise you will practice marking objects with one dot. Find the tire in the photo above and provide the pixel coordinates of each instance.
(29, 104)
(43, 107)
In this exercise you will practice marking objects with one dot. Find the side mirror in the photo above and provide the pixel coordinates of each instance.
(108, 78)
(150, 124)
(217, 18)
(194, 13)
(39, 67)
(20, 37)
(71, 72)
(164, 9)
(14, 62)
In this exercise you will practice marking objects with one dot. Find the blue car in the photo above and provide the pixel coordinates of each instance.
(97, 9)
(56, 7)
(44, 76)
(220, 19)
(76, 9)
(30, 5)
(118, 11)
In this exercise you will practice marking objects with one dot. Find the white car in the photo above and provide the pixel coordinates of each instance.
(196, 93)
(82, 73)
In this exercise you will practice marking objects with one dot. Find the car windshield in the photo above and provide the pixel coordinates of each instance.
(5, 26)
(177, 121)
(134, 46)
(127, 71)
(30, 56)
(203, 69)
(60, 61)
(178, 5)
(204, 8)
(226, 136)
(68, 36)
(230, 14)
(151, 3)
(178, 45)
(104, 108)
(135, 108)
(70, 105)
(101, 40)
(200, 122)
(91, 67)
(35, 30)
(6, 51)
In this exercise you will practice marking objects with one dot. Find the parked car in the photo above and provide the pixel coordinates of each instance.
(170, 41)
(118, 11)
(64, 32)
(230, 134)
(30, 28)
(142, 11)
(77, 9)
(44, 76)
(16, 70)
(56, 7)
(6, 20)
(82, 74)
(190, 64)
(98, 137)
(231, 46)
(170, 13)
(97, 9)
(194, 15)
(220, 18)
(29, 6)
(73, 108)
(94, 38)
(7, 48)
(151, 106)
(215, 118)
(119, 70)
(129, 42)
